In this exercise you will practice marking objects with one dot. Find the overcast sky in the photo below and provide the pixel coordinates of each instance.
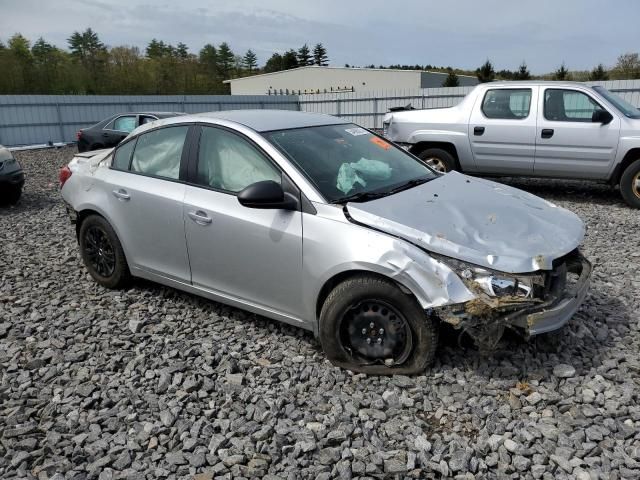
(459, 33)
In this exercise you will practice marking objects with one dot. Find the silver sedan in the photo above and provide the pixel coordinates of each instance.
(313, 221)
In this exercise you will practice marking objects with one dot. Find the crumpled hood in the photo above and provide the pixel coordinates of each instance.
(478, 221)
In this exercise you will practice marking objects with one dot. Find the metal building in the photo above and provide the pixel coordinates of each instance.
(314, 79)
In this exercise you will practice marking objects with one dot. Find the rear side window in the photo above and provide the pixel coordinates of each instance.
(507, 103)
(158, 152)
(569, 106)
(124, 124)
(122, 156)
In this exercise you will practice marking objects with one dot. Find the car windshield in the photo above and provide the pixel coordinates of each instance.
(348, 163)
(625, 107)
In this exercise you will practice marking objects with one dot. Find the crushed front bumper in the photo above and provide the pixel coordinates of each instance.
(485, 319)
(555, 313)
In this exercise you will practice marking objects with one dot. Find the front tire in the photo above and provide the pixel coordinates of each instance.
(438, 159)
(630, 184)
(11, 194)
(102, 253)
(369, 325)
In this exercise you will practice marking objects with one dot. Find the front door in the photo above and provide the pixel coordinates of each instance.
(502, 131)
(568, 142)
(145, 202)
(250, 255)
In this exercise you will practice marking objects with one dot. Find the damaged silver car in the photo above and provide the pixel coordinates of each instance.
(313, 221)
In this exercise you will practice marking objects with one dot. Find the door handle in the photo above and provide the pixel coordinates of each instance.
(547, 133)
(199, 217)
(121, 194)
(105, 134)
(478, 130)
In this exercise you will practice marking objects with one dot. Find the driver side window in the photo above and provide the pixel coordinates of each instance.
(228, 162)
(569, 106)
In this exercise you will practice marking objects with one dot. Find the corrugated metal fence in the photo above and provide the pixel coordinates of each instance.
(32, 119)
(368, 109)
(35, 119)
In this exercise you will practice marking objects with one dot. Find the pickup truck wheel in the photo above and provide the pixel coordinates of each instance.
(438, 159)
(369, 325)
(630, 184)
(102, 253)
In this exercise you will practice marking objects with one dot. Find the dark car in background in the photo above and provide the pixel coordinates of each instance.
(11, 177)
(111, 131)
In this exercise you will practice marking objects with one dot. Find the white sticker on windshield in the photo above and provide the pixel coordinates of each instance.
(356, 131)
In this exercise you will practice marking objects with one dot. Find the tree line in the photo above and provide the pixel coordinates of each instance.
(626, 67)
(88, 66)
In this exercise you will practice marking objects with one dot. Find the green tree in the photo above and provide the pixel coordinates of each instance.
(522, 73)
(290, 60)
(250, 61)
(226, 60)
(628, 66)
(599, 73)
(87, 50)
(320, 55)
(304, 56)
(562, 73)
(182, 51)
(452, 80)
(158, 49)
(274, 64)
(486, 73)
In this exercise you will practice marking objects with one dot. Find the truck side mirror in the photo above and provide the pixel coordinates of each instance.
(601, 116)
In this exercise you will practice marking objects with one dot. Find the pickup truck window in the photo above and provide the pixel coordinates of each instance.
(569, 106)
(621, 104)
(507, 103)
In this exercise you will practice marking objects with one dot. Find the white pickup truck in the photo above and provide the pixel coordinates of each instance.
(539, 129)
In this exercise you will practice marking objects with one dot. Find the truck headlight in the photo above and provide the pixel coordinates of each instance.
(497, 284)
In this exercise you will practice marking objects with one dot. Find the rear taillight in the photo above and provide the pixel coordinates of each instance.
(79, 134)
(65, 174)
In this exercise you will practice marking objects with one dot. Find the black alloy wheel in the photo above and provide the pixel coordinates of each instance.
(376, 332)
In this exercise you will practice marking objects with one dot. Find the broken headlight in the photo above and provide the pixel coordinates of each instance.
(497, 284)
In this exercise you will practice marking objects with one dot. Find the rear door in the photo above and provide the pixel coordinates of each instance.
(247, 254)
(118, 129)
(568, 142)
(145, 191)
(502, 130)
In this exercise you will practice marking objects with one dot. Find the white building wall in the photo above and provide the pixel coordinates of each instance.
(313, 79)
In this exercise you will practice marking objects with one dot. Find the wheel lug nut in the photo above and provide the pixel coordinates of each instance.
(379, 340)
(381, 331)
(371, 325)
(368, 341)
(364, 331)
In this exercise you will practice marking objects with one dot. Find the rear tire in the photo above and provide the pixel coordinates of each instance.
(630, 184)
(102, 253)
(438, 159)
(408, 336)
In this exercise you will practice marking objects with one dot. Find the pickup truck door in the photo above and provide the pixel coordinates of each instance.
(502, 130)
(568, 142)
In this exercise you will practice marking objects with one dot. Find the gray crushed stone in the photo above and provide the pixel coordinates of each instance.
(152, 383)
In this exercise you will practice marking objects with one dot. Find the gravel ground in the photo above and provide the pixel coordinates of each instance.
(155, 383)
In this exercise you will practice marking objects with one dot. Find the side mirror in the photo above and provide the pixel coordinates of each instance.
(601, 116)
(267, 194)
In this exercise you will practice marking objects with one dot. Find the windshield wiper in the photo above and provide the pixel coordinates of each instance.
(361, 197)
(410, 184)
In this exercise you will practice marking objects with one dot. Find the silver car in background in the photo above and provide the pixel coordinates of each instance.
(313, 221)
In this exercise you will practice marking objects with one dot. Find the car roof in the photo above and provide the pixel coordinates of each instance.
(268, 120)
(533, 83)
